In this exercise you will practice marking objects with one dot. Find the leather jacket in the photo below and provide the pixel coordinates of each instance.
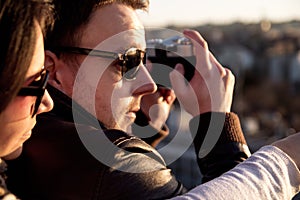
(55, 163)
(4, 193)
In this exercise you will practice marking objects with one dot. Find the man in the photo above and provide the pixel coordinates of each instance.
(62, 162)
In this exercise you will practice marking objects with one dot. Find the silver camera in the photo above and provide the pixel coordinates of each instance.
(169, 52)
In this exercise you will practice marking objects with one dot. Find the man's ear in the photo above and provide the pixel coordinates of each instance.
(52, 64)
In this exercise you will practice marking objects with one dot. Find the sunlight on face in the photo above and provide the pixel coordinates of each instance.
(109, 97)
(16, 120)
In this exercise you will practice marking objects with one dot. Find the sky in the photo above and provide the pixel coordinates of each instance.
(199, 12)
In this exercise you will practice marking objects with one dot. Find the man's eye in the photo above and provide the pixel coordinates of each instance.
(118, 69)
(117, 65)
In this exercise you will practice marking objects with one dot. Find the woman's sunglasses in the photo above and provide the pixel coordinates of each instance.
(129, 61)
(36, 88)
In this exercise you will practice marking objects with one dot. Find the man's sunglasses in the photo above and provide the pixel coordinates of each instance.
(36, 88)
(129, 61)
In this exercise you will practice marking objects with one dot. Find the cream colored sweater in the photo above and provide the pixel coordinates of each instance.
(269, 174)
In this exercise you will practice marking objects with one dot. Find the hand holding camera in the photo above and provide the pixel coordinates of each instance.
(165, 54)
(211, 87)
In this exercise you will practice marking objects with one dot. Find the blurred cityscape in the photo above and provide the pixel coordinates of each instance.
(265, 59)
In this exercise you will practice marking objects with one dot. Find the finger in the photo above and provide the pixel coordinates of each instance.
(195, 35)
(201, 50)
(228, 77)
(179, 67)
(148, 65)
(167, 94)
(177, 79)
(217, 64)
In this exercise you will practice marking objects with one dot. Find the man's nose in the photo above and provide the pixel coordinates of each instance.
(144, 84)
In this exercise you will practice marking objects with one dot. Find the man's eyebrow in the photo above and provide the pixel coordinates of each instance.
(120, 50)
(123, 48)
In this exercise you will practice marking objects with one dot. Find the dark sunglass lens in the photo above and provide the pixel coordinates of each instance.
(37, 104)
(42, 85)
(133, 58)
(144, 58)
(131, 74)
(36, 88)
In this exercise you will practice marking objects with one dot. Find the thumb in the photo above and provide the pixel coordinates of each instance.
(177, 80)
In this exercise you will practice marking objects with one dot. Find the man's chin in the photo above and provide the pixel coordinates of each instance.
(13, 155)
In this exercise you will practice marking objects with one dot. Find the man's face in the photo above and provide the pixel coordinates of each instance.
(115, 100)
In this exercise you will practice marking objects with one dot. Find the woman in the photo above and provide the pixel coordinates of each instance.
(22, 77)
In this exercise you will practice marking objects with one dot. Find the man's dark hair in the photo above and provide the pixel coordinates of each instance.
(18, 24)
(71, 15)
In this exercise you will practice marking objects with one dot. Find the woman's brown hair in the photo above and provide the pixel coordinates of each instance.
(18, 20)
